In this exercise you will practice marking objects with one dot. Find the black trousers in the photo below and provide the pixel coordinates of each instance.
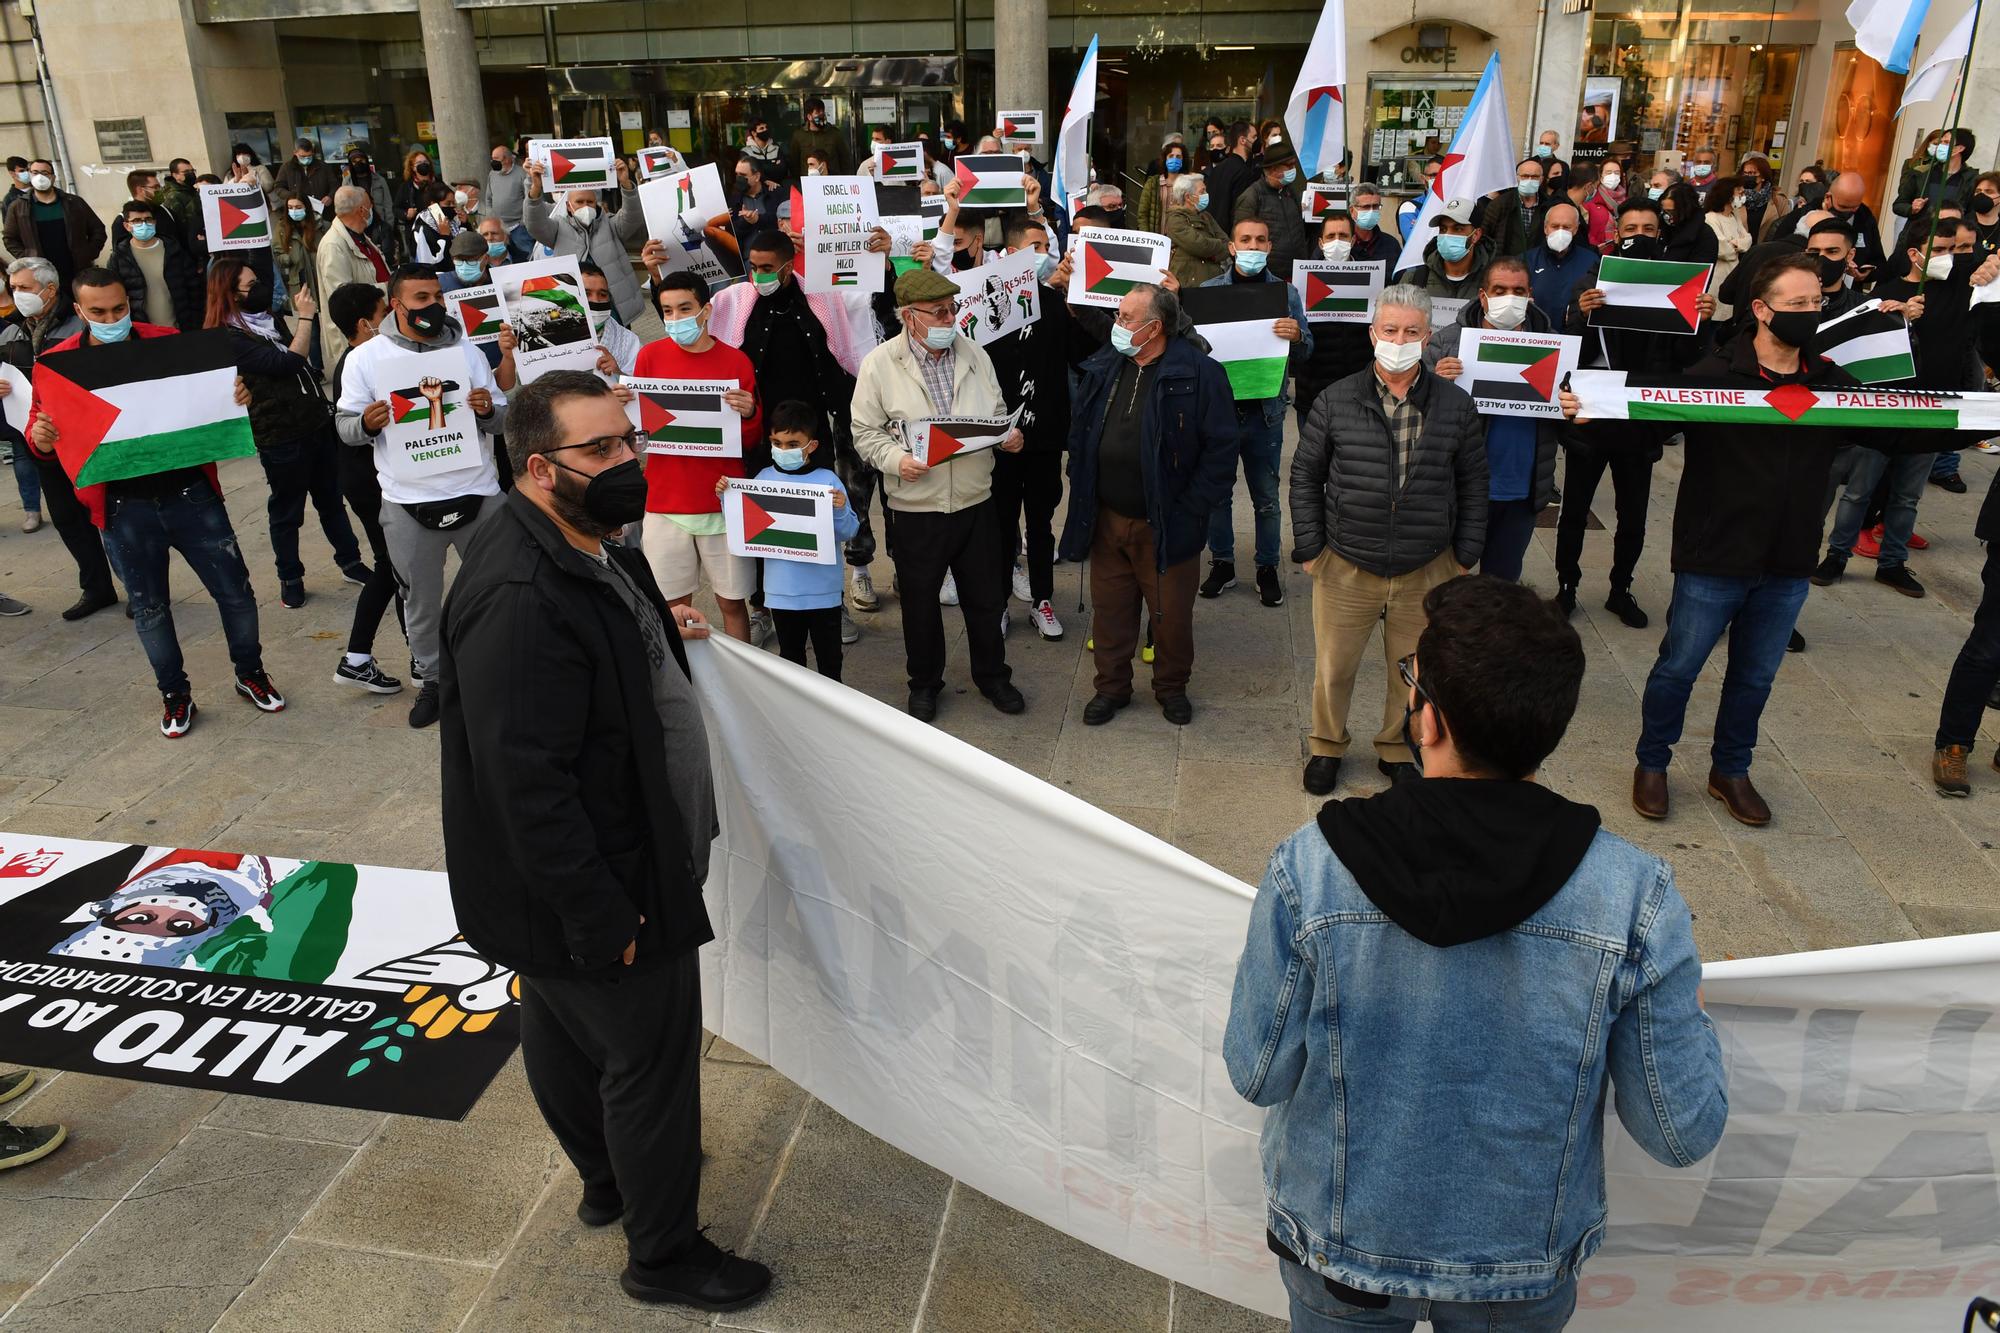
(307, 468)
(363, 490)
(72, 523)
(1632, 483)
(967, 544)
(614, 1062)
(1030, 483)
(821, 625)
(863, 484)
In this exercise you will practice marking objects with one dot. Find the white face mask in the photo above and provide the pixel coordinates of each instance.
(1398, 357)
(461, 198)
(1559, 240)
(1938, 268)
(1337, 250)
(1611, 180)
(243, 159)
(1506, 312)
(29, 304)
(42, 181)
(585, 216)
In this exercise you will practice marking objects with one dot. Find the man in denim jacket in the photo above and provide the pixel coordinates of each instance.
(1441, 984)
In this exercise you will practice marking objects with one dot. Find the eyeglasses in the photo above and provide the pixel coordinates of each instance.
(1403, 669)
(935, 314)
(607, 447)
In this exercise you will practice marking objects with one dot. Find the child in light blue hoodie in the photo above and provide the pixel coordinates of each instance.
(804, 599)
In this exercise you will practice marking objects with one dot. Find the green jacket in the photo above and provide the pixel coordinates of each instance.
(1200, 249)
(1930, 181)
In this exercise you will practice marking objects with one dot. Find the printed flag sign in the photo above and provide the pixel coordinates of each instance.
(659, 160)
(543, 303)
(141, 406)
(1516, 374)
(780, 520)
(431, 429)
(235, 216)
(839, 212)
(477, 310)
(1106, 264)
(936, 439)
(685, 417)
(573, 164)
(1651, 295)
(678, 208)
(999, 297)
(1613, 395)
(1021, 129)
(1322, 200)
(990, 180)
(311, 981)
(1236, 320)
(899, 163)
(1869, 343)
(1341, 293)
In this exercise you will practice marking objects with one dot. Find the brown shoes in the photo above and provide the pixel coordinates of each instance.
(1744, 804)
(1948, 771)
(1649, 793)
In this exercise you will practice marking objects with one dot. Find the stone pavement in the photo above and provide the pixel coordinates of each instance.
(177, 1209)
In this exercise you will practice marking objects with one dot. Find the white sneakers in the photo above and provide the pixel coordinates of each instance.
(861, 591)
(1022, 592)
(1043, 617)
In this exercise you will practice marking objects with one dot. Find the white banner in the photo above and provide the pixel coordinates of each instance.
(1054, 1039)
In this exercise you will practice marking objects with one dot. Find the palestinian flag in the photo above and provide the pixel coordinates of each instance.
(480, 312)
(243, 215)
(1516, 372)
(143, 406)
(780, 520)
(1341, 292)
(989, 180)
(585, 166)
(678, 420)
(931, 442)
(1611, 395)
(1650, 295)
(684, 194)
(1868, 343)
(844, 277)
(1236, 320)
(1021, 127)
(555, 289)
(1113, 268)
(899, 162)
(409, 406)
(1322, 201)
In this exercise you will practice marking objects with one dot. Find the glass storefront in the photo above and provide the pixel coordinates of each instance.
(1858, 123)
(1665, 83)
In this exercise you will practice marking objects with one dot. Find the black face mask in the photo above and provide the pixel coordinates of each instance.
(1984, 205)
(257, 301)
(358, 170)
(1640, 247)
(422, 169)
(610, 499)
(1794, 328)
(1831, 270)
(1116, 221)
(428, 320)
(1810, 193)
(498, 165)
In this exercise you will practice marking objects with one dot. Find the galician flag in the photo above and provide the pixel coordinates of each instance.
(1652, 295)
(990, 180)
(1316, 115)
(1868, 343)
(1480, 160)
(142, 406)
(1237, 321)
(1613, 395)
(1935, 74)
(1888, 30)
(1071, 164)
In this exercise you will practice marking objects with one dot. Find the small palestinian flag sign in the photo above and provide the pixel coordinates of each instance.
(657, 161)
(1337, 293)
(573, 164)
(1650, 295)
(478, 311)
(1112, 263)
(899, 162)
(780, 521)
(1322, 200)
(142, 406)
(1515, 374)
(1870, 344)
(932, 442)
(554, 289)
(409, 407)
(844, 277)
(990, 180)
(1021, 128)
(684, 193)
(235, 217)
(685, 417)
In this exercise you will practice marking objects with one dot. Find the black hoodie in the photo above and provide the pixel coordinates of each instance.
(1456, 860)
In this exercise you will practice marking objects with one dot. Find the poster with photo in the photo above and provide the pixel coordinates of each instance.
(678, 208)
(543, 302)
(1597, 119)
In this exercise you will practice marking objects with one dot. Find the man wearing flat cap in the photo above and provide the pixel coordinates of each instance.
(1269, 198)
(946, 519)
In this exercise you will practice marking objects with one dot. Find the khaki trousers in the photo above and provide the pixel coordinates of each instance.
(1347, 602)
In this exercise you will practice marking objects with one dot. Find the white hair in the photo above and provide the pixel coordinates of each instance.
(1406, 296)
(44, 272)
(349, 199)
(1186, 188)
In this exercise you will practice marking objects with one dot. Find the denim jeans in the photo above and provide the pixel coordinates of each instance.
(1978, 665)
(1262, 442)
(25, 477)
(1945, 464)
(139, 532)
(1317, 1310)
(1758, 613)
(1907, 474)
(298, 470)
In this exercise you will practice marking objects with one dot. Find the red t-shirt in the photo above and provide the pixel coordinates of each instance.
(676, 485)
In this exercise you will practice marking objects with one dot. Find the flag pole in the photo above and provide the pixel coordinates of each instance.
(1957, 110)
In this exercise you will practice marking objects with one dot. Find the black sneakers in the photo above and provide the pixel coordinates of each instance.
(1954, 483)
(1620, 604)
(1221, 575)
(256, 686)
(1901, 579)
(176, 715)
(703, 1275)
(368, 676)
(1830, 570)
(424, 711)
(22, 1144)
(292, 593)
(1268, 587)
(357, 573)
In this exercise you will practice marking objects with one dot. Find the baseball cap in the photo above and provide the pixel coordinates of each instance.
(1458, 210)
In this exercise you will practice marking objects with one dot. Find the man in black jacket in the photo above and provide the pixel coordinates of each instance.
(1977, 670)
(167, 283)
(578, 812)
(1388, 498)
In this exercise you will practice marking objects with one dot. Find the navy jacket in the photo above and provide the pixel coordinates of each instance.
(1551, 277)
(1187, 458)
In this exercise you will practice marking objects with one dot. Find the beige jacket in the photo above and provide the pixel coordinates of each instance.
(890, 388)
(338, 262)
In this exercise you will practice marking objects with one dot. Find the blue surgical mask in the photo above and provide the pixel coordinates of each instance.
(111, 333)
(1202, 203)
(940, 336)
(1544, 151)
(1529, 188)
(1454, 248)
(1251, 262)
(468, 270)
(296, 214)
(1291, 174)
(1940, 152)
(1176, 162)
(686, 332)
(143, 231)
(1367, 218)
(1654, 192)
(496, 249)
(1122, 340)
(788, 460)
(1046, 266)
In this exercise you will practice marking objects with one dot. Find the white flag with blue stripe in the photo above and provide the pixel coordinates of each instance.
(1480, 160)
(1071, 167)
(1935, 75)
(1888, 29)
(1316, 115)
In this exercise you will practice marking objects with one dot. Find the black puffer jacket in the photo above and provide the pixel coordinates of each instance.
(187, 282)
(1347, 495)
(286, 401)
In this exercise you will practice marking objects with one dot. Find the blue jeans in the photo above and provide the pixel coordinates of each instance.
(1944, 465)
(25, 476)
(1510, 526)
(1758, 614)
(1261, 443)
(138, 533)
(1317, 1310)
(1907, 474)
